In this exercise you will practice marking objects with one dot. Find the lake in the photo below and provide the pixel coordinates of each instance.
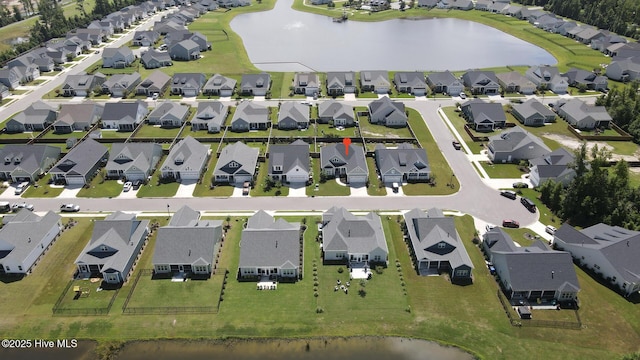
(284, 39)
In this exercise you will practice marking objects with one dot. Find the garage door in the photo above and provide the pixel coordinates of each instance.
(184, 175)
(75, 180)
(357, 179)
(392, 178)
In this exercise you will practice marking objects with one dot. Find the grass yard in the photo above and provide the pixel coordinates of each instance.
(204, 188)
(163, 293)
(76, 134)
(247, 134)
(458, 123)
(114, 134)
(293, 134)
(43, 189)
(96, 297)
(155, 131)
(259, 189)
(502, 171)
(546, 216)
(522, 236)
(327, 188)
(376, 187)
(326, 130)
(99, 188)
(368, 129)
(157, 188)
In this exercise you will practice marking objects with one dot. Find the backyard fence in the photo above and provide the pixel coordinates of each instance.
(576, 325)
(58, 310)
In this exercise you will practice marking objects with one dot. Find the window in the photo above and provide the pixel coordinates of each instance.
(462, 272)
(442, 245)
(19, 268)
(376, 258)
(234, 164)
(103, 248)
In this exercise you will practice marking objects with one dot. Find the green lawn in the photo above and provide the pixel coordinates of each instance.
(546, 216)
(380, 131)
(326, 130)
(75, 134)
(163, 293)
(259, 189)
(95, 299)
(376, 186)
(458, 123)
(501, 171)
(43, 189)
(204, 189)
(113, 134)
(101, 188)
(292, 134)
(327, 188)
(157, 188)
(155, 131)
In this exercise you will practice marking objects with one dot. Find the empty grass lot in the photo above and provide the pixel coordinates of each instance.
(164, 293)
(43, 189)
(100, 189)
(502, 171)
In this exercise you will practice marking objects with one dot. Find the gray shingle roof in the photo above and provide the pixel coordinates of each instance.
(75, 113)
(143, 156)
(81, 159)
(185, 216)
(37, 113)
(515, 138)
(267, 242)
(290, 155)
(30, 158)
(553, 164)
(211, 112)
(122, 111)
(219, 82)
(187, 155)
(480, 111)
(168, 110)
(251, 112)
(22, 234)
(404, 159)
(293, 111)
(531, 107)
(335, 156)
(335, 110)
(354, 234)
(245, 156)
(445, 78)
(254, 81)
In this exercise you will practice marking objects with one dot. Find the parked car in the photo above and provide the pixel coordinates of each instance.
(69, 208)
(155, 96)
(463, 95)
(520, 185)
(490, 227)
(509, 223)
(550, 229)
(17, 206)
(528, 204)
(245, 188)
(127, 186)
(136, 184)
(20, 188)
(456, 145)
(509, 194)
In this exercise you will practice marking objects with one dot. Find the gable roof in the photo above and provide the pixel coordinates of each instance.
(481, 111)
(578, 110)
(479, 78)
(289, 156)
(532, 107)
(404, 159)
(220, 82)
(245, 156)
(23, 232)
(187, 155)
(251, 112)
(335, 155)
(142, 156)
(353, 234)
(82, 158)
(375, 78)
(334, 109)
(36, 113)
(514, 139)
(28, 158)
(123, 111)
(554, 164)
(169, 109)
(87, 111)
(295, 111)
(267, 242)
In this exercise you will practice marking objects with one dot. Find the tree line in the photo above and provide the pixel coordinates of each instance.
(623, 104)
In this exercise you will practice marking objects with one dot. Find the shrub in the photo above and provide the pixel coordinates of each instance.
(340, 270)
(379, 270)
(319, 310)
(315, 294)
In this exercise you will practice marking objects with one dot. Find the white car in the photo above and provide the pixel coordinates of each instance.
(550, 229)
(463, 95)
(127, 186)
(16, 207)
(490, 227)
(69, 208)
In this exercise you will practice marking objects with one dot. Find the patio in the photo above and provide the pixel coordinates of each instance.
(266, 284)
(359, 270)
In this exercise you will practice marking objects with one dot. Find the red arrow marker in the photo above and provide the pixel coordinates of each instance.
(346, 142)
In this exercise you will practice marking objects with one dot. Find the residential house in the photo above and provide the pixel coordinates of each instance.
(514, 82)
(186, 160)
(105, 26)
(77, 117)
(481, 82)
(82, 84)
(187, 245)
(10, 78)
(219, 85)
(185, 50)
(338, 113)
(611, 251)
(95, 36)
(564, 28)
(255, 84)
(169, 114)
(153, 59)
(340, 83)
(145, 38)
(386, 112)
(117, 57)
(535, 273)
(483, 116)
(113, 248)
(413, 83)
(4, 91)
(293, 115)
(24, 239)
(375, 81)
(347, 238)
(602, 43)
(123, 116)
(625, 70)
(306, 83)
(436, 246)
(403, 163)
(547, 78)
(236, 164)
(36, 117)
(289, 163)
(250, 116)
(533, 113)
(26, 67)
(556, 165)
(121, 85)
(26, 162)
(270, 249)
(588, 35)
(133, 161)
(156, 83)
(167, 25)
(445, 82)
(581, 115)
(336, 160)
(430, 4)
(187, 84)
(514, 145)
(210, 116)
(587, 79)
(81, 163)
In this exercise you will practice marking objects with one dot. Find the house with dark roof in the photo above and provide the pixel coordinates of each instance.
(24, 239)
(270, 249)
(236, 164)
(482, 115)
(133, 161)
(81, 163)
(413, 83)
(338, 113)
(186, 160)
(118, 58)
(36, 117)
(123, 116)
(120, 85)
(82, 84)
(293, 115)
(386, 112)
(255, 84)
(187, 245)
(533, 113)
(219, 85)
(4, 91)
(624, 69)
(153, 59)
(481, 82)
(403, 163)
(514, 82)
(289, 163)
(145, 38)
(10, 78)
(210, 116)
(341, 82)
(77, 117)
(156, 83)
(339, 162)
(169, 114)
(445, 82)
(436, 246)
(548, 77)
(611, 251)
(556, 166)
(375, 81)
(581, 115)
(26, 162)
(113, 248)
(531, 273)
(249, 116)
(306, 83)
(187, 84)
(515, 144)
(347, 238)
(587, 79)
(185, 50)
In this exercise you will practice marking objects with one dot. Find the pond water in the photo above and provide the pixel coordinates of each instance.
(284, 39)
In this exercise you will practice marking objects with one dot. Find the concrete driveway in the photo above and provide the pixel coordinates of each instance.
(186, 188)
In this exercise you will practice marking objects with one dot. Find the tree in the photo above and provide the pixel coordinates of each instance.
(16, 13)
(80, 7)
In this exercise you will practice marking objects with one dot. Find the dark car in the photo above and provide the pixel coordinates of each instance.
(510, 224)
(456, 145)
(509, 194)
(528, 204)
(136, 184)
(520, 185)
